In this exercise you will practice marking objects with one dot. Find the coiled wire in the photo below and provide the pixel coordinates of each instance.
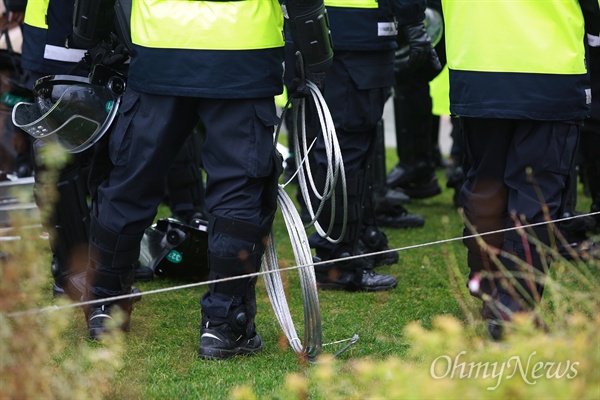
(313, 336)
(312, 312)
(335, 164)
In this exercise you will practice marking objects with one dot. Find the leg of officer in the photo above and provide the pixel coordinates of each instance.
(142, 146)
(538, 183)
(185, 187)
(484, 196)
(356, 108)
(242, 166)
(505, 174)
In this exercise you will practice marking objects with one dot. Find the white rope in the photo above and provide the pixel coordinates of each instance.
(262, 273)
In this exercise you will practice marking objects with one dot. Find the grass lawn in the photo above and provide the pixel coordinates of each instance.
(162, 345)
(160, 353)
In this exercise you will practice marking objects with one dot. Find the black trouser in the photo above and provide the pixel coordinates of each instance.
(356, 89)
(590, 136)
(68, 223)
(237, 155)
(185, 187)
(499, 155)
(413, 118)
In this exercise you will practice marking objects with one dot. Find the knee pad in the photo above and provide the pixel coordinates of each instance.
(113, 249)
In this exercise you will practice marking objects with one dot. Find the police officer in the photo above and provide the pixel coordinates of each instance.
(590, 133)
(223, 71)
(416, 145)
(521, 96)
(15, 145)
(576, 231)
(356, 89)
(46, 51)
(49, 49)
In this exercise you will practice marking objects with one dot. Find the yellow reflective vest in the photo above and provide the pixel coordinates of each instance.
(517, 59)
(46, 30)
(208, 49)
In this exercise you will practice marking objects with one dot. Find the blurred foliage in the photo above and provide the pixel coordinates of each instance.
(32, 337)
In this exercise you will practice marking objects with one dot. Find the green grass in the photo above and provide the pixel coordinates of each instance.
(160, 356)
(160, 353)
(162, 346)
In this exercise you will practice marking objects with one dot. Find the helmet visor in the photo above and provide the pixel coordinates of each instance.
(434, 25)
(72, 114)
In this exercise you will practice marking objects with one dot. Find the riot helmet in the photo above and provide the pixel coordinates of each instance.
(72, 111)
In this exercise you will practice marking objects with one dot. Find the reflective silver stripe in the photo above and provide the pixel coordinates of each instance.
(101, 316)
(210, 335)
(63, 54)
(386, 29)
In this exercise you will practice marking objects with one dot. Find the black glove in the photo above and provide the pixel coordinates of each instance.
(421, 54)
(109, 52)
(298, 88)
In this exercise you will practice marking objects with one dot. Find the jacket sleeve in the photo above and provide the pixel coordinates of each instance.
(591, 14)
(15, 5)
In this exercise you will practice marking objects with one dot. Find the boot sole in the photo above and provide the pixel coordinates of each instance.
(223, 354)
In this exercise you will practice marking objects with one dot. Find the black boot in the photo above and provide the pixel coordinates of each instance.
(390, 211)
(373, 240)
(577, 242)
(415, 172)
(417, 180)
(351, 275)
(399, 217)
(497, 311)
(229, 307)
(222, 338)
(576, 230)
(382, 200)
(354, 274)
(522, 289)
(110, 273)
(100, 316)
